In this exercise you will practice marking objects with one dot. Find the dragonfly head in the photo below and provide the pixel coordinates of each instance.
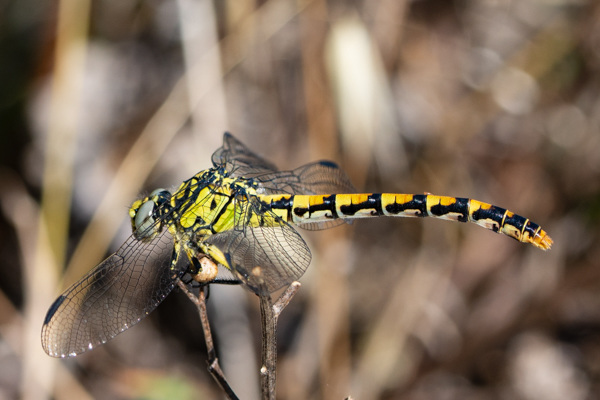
(144, 214)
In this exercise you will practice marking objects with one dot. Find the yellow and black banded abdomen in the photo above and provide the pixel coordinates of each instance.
(301, 209)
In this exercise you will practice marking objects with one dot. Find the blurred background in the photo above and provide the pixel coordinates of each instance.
(497, 100)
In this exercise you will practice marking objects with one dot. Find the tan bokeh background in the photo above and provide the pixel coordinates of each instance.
(497, 100)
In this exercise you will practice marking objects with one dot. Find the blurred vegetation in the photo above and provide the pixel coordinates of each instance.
(495, 100)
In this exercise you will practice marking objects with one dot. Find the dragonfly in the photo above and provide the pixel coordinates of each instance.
(239, 215)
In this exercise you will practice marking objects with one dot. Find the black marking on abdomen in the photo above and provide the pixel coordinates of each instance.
(419, 203)
(284, 203)
(373, 202)
(518, 222)
(532, 228)
(327, 204)
(460, 206)
(495, 214)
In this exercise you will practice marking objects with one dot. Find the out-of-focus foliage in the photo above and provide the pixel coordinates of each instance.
(495, 100)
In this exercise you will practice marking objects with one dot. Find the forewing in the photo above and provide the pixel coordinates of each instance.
(321, 177)
(266, 257)
(239, 161)
(111, 298)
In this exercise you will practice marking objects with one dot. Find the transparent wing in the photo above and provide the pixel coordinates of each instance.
(239, 161)
(111, 298)
(265, 257)
(321, 177)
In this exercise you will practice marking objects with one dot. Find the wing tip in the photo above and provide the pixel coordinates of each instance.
(53, 308)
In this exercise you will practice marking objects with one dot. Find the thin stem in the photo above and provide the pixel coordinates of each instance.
(269, 315)
(213, 362)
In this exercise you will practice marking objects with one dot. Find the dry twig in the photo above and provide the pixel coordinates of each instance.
(213, 362)
(269, 314)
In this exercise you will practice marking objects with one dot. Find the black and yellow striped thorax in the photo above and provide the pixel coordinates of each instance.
(206, 204)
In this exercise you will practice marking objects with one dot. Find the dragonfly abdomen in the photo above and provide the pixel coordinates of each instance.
(301, 209)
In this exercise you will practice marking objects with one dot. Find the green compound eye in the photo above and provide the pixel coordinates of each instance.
(144, 220)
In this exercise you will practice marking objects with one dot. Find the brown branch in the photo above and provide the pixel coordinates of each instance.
(269, 314)
(213, 362)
